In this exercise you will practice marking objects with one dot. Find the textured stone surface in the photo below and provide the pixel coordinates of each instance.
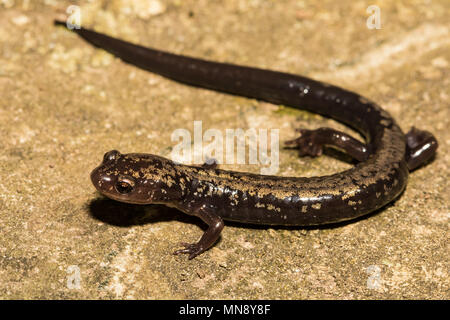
(63, 104)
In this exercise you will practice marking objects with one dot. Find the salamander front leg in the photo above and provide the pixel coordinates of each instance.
(420, 147)
(311, 143)
(209, 237)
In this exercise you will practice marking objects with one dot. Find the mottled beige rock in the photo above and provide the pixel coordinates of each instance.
(64, 103)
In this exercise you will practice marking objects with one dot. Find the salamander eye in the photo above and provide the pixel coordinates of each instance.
(111, 155)
(125, 184)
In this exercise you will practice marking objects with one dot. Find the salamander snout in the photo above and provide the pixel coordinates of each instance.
(135, 178)
(99, 176)
(110, 177)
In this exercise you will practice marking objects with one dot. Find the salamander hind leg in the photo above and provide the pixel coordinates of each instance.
(421, 146)
(311, 143)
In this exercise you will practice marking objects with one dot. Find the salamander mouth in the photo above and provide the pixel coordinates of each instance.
(124, 198)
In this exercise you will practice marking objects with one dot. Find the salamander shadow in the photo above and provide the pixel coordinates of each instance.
(126, 215)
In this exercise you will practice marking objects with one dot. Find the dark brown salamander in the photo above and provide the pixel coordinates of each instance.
(215, 195)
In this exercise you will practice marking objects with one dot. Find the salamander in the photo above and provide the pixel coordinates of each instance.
(214, 195)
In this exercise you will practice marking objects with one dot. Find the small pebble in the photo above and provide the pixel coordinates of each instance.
(21, 20)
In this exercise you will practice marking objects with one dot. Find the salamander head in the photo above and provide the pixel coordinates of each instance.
(135, 178)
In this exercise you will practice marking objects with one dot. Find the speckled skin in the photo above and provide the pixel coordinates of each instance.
(214, 194)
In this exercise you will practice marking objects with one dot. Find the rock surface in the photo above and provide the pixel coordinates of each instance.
(64, 104)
